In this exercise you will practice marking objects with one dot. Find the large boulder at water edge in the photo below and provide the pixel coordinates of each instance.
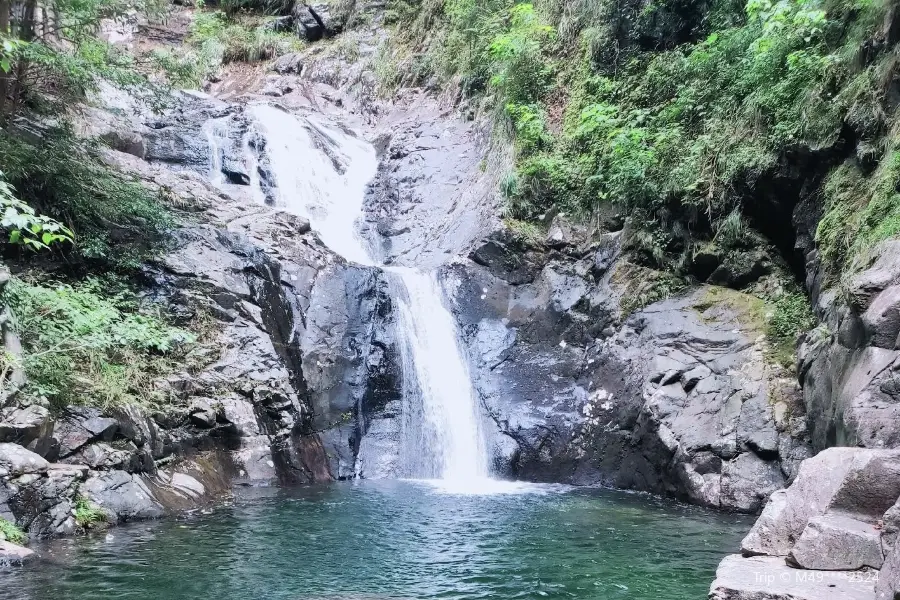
(768, 578)
(855, 482)
(13, 554)
(825, 536)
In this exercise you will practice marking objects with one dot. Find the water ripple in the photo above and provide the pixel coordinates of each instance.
(397, 541)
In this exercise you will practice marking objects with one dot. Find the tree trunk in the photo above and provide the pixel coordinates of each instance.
(26, 34)
(5, 8)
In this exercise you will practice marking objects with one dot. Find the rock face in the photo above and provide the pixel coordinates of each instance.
(837, 543)
(277, 400)
(433, 198)
(767, 578)
(854, 482)
(677, 399)
(849, 365)
(16, 461)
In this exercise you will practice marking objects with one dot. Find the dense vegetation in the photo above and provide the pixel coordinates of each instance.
(699, 125)
(233, 34)
(91, 342)
(79, 230)
(682, 115)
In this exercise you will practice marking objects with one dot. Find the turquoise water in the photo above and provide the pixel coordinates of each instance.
(396, 540)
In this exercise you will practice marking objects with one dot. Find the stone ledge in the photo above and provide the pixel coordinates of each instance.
(769, 578)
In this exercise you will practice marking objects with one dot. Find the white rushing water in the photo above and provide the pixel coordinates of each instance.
(443, 437)
(216, 131)
(321, 172)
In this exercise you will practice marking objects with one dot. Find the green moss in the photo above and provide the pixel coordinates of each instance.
(525, 232)
(11, 533)
(642, 287)
(790, 317)
(780, 319)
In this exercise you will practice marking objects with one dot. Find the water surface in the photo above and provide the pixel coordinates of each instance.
(397, 540)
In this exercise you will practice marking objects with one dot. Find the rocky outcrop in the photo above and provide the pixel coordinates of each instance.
(849, 365)
(768, 578)
(825, 535)
(678, 399)
(281, 381)
(13, 554)
(434, 196)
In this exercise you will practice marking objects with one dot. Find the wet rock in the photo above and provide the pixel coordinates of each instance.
(202, 412)
(748, 481)
(433, 194)
(130, 142)
(882, 318)
(307, 23)
(741, 269)
(327, 17)
(81, 426)
(123, 496)
(836, 543)
(12, 554)
(507, 260)
(43, 505)
(378, 453)
(25, 425)
(277, 87)
(281, 24)
(768, 578)
(849, 380)
(671, 401)
(563, 233)
(16, 460)
(124, 456)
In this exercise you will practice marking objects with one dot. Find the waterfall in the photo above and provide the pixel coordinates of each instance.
(216, 131)
(442, 432)
(321, 172)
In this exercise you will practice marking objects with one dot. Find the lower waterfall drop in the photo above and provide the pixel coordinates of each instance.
(442, 429)
(321, 172)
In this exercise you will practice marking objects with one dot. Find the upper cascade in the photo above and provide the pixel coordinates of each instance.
(321, 172)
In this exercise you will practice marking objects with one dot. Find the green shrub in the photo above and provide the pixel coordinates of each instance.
(222, 37)
(11, 533)
(87, 514)
(791, 315)
(91, 342)
(64, 177)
